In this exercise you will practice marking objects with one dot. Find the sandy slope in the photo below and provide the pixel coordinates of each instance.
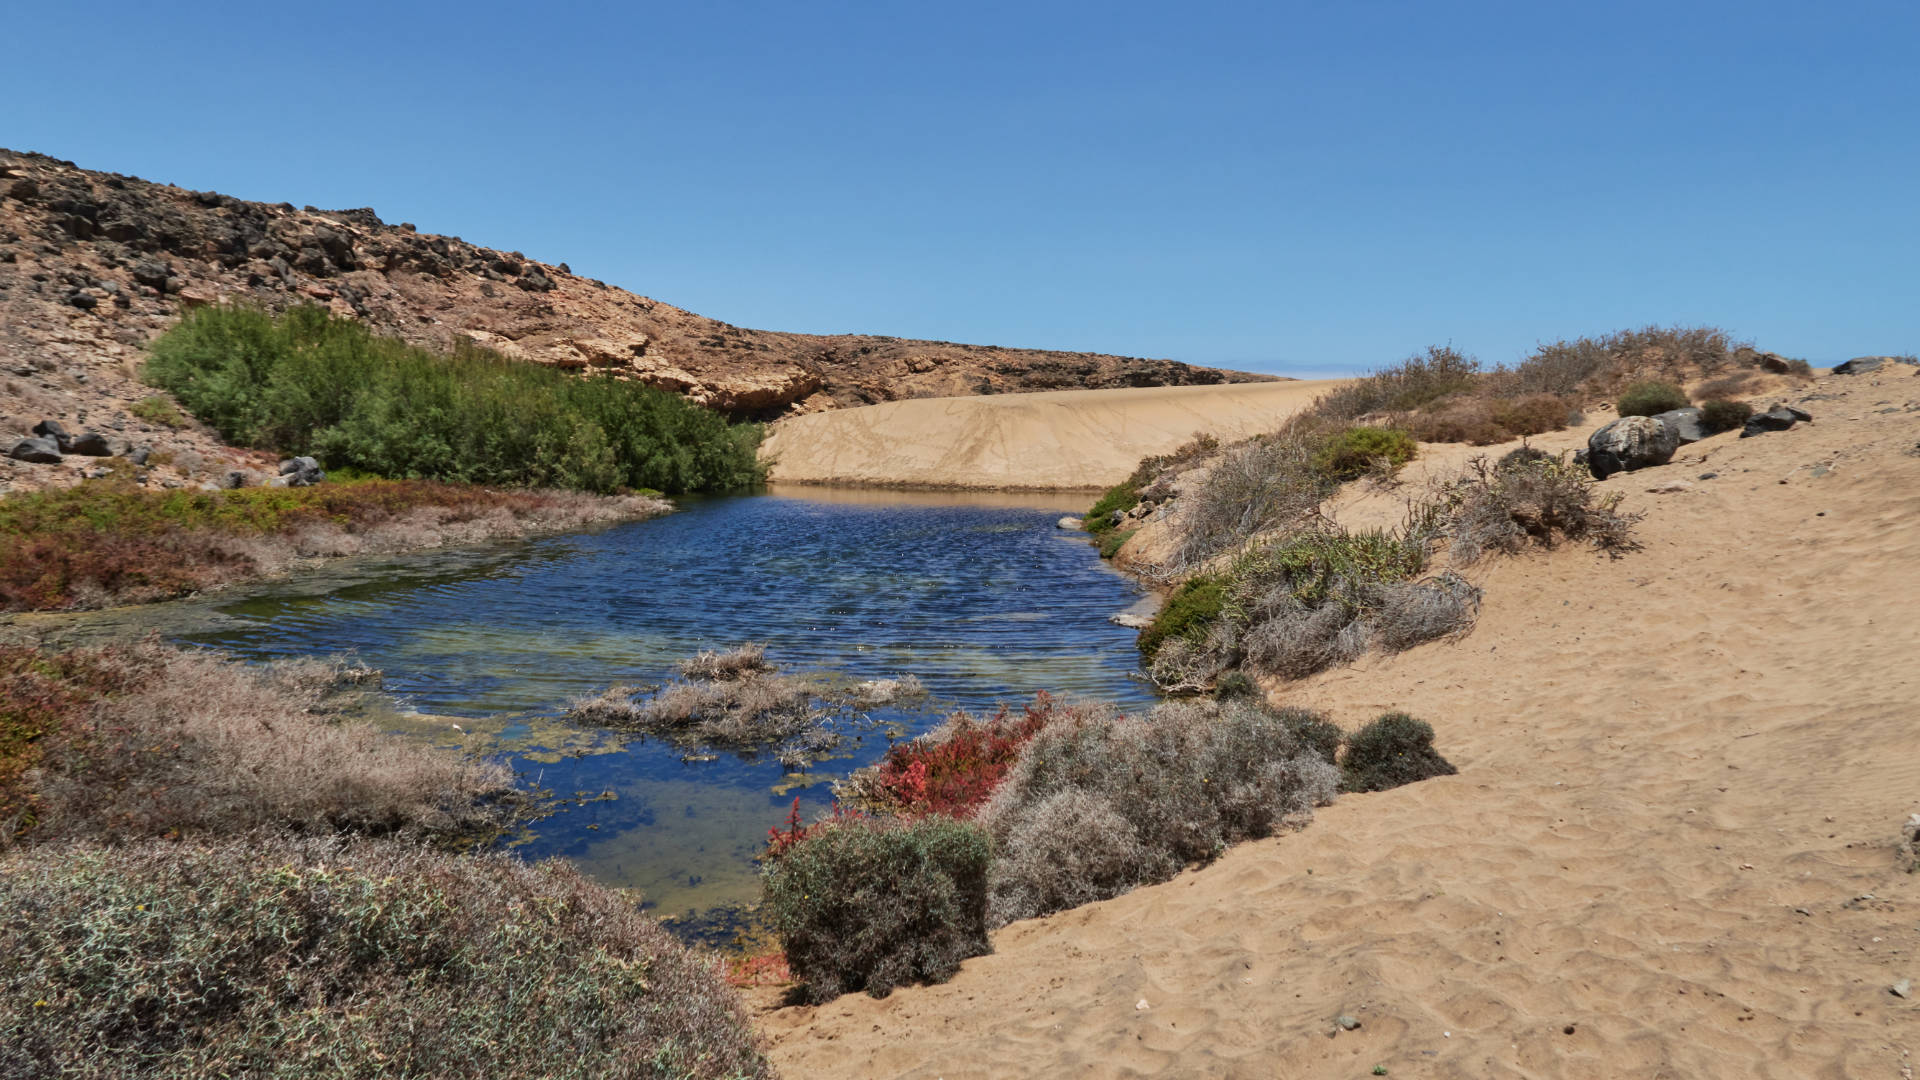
(1053, 439)
(1681, 776)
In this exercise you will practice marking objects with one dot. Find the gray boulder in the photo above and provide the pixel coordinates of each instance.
(52, 429)
(1778, 418)
(41, 451)
(89, 444)
(139, 456)
(301, 472)
(1685, 423)
(1860, 365)
(1629, 443)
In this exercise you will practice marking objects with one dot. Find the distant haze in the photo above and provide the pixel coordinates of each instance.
(1298, 189)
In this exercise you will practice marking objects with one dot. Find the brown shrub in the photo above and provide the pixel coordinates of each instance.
(748, 659)
(1256, 486)
(1534, 502)
(1457, 420)
(154, 741)
(1534, 414)
(271, 957)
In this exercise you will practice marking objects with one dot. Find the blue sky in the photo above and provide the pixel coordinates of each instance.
(1297, 188)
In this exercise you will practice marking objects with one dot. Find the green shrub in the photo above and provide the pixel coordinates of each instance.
(1104, 515)
(1099, 804)
(1521, 457)
(1188, 613)
(308, 383)
(158, 410)
(1236, 684)
(1314, 731)
(1357, 451)
(1393, 750)
(874, 903)
(1718, 416)
(1114, 541)
(269, 957)
(1651, 399)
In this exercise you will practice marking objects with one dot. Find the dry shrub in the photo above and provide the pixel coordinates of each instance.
(874, 903)
(734, 663)
(749, 710)
(1099, 804)
(1254, 487)
(265, 956)
(1534, 502)
(1439, 372)
(1651, 398)
(1726, 386)
(1457, 420)
(1590, 366)
(1534, 414)
(189, 742)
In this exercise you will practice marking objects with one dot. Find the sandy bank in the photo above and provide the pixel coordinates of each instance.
(1050, 440)
(1669, 851)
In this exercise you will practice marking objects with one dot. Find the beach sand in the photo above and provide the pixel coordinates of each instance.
(1669, 852)
(1055, 439)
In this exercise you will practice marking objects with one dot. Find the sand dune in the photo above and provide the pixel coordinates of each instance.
(1055, 439)
(1668, 853)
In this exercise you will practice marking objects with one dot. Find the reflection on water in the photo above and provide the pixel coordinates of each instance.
(979, 595)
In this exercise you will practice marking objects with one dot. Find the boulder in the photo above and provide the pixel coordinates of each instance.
(1861, 365)
(234, 479)
(1629, 443)
(1072, 523)
(41, 451)
(52, 429)
(1685, 424)
(300, 472)
(89, 444)
(1130, 620)
(1774, 363)
(1778, 418)
(140, 455)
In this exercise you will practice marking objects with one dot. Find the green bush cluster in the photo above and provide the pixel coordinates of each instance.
(1393, 750)
(872, 903)
(1103, 518)
(1721, 415)
(1357, 451)
(308, 383)
(1187, 614)
(158, 410)
(1651, 399)
(268, 957)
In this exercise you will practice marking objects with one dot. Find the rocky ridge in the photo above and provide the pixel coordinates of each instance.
(94, 264)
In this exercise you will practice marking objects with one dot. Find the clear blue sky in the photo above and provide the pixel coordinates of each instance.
(1299, 188)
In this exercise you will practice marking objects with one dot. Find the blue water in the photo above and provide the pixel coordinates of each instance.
(984, 599)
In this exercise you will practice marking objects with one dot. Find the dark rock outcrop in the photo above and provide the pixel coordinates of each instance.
(1778, 418)
(1686, 424)
(39, 451)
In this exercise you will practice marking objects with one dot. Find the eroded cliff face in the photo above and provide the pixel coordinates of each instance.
(93, 264)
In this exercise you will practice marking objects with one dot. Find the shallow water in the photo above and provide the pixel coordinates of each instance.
(982, 597)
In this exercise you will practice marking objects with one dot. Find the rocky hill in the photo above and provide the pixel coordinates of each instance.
(93, 264)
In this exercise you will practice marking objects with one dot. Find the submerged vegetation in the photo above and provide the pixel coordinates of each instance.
(305, 382)
(737, 700)
(113, 542)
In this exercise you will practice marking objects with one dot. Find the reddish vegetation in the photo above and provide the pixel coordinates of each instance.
(761, 969)
(42, 696)
(958, 772)
(781, 841)
(107, 542)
